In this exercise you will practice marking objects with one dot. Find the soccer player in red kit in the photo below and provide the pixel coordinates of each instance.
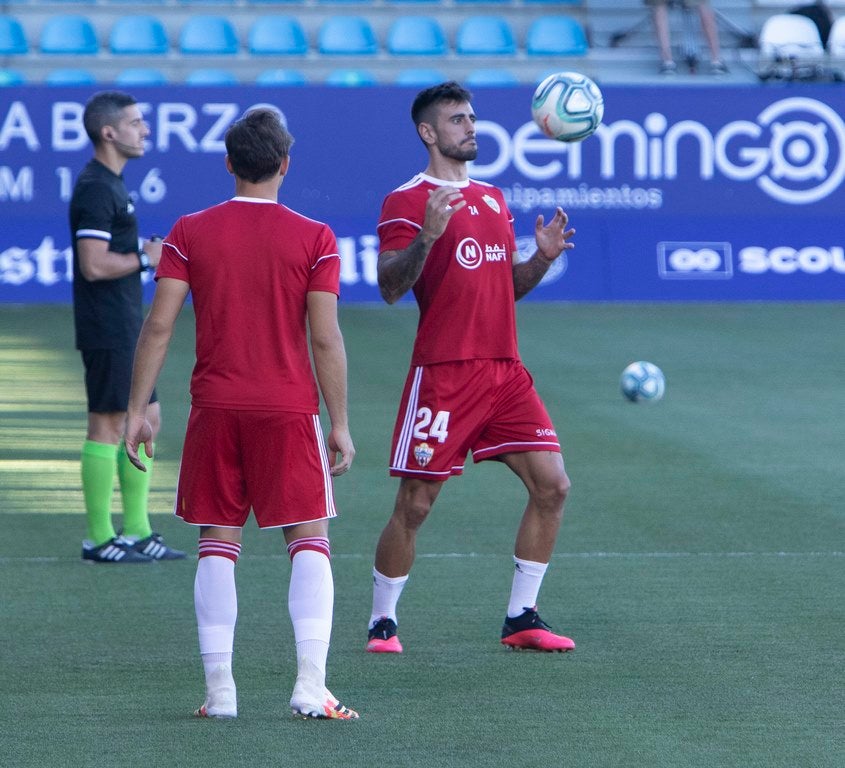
(263, 279)
(451, 239)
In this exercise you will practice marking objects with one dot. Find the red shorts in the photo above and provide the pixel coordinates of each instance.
(272, 462)
(489, 407)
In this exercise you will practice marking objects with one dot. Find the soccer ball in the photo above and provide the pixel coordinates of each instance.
(567, 106)
(643, 382)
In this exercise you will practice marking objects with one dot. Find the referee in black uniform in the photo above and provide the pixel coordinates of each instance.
(108, 260)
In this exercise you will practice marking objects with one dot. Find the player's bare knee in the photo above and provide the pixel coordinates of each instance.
(551, 495)
(412, 512)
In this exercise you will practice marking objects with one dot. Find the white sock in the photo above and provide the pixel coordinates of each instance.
(311, 604)
(386, 593)
(527, 579)
(215, 662)
(216, 605)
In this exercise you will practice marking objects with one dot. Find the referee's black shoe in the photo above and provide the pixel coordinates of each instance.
(116, 550)
(154, 547)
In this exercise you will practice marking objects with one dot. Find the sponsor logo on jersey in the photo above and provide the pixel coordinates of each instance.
(469, 253)
(495, 252)
(423, 453)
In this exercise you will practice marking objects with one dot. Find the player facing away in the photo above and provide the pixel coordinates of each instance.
(264, 279)
(451, 239)
(108, 312)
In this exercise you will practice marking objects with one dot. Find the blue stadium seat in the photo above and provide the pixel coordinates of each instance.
(11, 77)
(485, 35)
(138, 35)
(346, 35)
(277, 36)
(416, 36)
(556, 36)
(12, 37)
(70, 76)
(420, 76)
(351, 78)
(140, 76)
(490, 77)
(69, 35)
(211, 76)
(281, 77)
(208, 35)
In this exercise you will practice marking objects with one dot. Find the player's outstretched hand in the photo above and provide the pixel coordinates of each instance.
(553, 238)
(341, 449)
(138, 431)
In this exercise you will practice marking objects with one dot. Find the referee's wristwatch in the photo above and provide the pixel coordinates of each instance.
(144, 259)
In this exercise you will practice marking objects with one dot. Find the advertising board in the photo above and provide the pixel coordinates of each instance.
(683, 194)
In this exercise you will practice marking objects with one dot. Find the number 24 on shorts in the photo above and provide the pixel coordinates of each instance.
(438, 422)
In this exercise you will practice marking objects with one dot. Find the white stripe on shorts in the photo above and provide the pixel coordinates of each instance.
(326, 466)
(400, 458)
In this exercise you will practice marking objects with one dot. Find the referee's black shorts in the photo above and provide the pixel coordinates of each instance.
(108, 377)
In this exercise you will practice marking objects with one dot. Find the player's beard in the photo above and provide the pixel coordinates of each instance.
(459, 152)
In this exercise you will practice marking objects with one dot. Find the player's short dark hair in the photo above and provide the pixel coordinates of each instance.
(104, 109)
(257, 144)
(443, 93)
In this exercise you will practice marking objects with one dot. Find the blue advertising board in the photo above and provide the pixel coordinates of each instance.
(683, 194)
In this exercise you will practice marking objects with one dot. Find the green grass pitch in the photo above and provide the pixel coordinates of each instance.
(700, 568)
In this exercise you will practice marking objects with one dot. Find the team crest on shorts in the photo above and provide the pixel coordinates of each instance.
(423, 453)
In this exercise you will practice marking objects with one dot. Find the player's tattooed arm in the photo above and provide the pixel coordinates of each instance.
(552, 240)
(527, 274)
(399, 270)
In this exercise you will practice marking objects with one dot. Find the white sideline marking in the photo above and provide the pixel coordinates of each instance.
(479, 555)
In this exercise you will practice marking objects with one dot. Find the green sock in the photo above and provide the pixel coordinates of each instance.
(135, 490)
(97, 487)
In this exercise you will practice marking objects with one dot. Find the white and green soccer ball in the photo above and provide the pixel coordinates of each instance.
(567, 106)
(643, 382)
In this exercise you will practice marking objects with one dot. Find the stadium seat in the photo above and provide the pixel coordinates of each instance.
(786, 36)
(351, 78)
(491, 77)
(281, 77)
(420, 76)
(211, 76)
(277, 36)
(70, 76)
(836, 39)
(69, 35)
(555, 36)
(416, 36)
(140, 76)
(12, 37)
(790, 48)
(138, 35)
(346, 35)
(11, 77)
(208, 35)
(485, 35)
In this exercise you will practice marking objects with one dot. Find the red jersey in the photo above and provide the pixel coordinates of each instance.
(250, 264)
(465, 292)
